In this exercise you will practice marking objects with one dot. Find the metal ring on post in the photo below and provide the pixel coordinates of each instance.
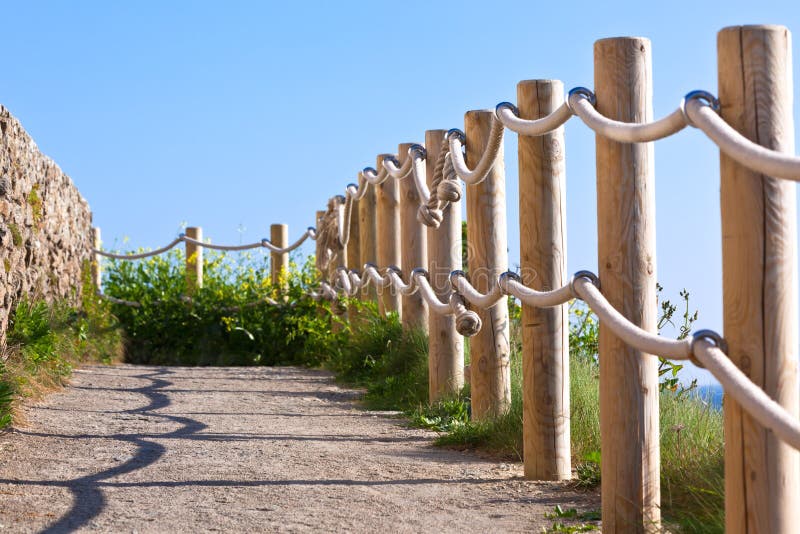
(584, 93)
(419, 150)
(508, 105)
(312, 232)
(369, 170)
(181, 236)
(420, 270)
(708, 335)
(698, 94)
(368, 265)
(453, 275)
(340, 199)
(392, 158)
(504, 277)
(589, 275)
(354, 186)
(395, 269)
(462, 138)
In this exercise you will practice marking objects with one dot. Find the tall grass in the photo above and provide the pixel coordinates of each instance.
(45, 340)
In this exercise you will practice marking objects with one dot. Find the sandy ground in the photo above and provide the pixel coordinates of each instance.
(157, 449)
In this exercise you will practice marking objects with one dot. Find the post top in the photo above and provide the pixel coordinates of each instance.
(756, 27)
(618, 41)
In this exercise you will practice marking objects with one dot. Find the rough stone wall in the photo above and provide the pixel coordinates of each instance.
(45, 224)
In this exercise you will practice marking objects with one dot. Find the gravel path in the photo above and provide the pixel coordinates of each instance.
(167, 449)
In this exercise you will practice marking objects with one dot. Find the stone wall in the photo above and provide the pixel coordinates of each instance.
(45, 224)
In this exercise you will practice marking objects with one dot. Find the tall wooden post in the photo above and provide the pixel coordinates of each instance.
(319, 215)
(490, 374)
(96, 266)
(368, 236)
(388, 198)
(759, 267)
(194, 261)
(445, 344)
(627, 263)
(278, 261)
(353, 252)
(414, 246)
(543, 266)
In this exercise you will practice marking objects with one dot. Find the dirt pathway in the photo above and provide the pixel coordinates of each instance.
(156, 449)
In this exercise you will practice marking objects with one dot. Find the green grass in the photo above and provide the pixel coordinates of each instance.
(44, 342)
(391, 366)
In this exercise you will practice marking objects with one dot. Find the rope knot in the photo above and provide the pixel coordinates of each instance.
(429, 217)
(468, 323)
(449, 191)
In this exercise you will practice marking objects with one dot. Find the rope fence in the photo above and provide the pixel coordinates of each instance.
(629, 404)
(411, 203)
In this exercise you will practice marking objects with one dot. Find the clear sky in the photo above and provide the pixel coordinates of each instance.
(235, 115)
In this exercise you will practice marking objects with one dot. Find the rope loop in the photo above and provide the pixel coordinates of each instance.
(505, 277)
(454, 275)
(581, 92)
(705, 97)
(418, 151)
(508, 105)
(708, 335)
(458, 134)
(589, 275)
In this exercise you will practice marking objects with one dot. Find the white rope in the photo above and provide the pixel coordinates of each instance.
(624, 329)
(507, 114)
(532, 297)
(738, 147)
(427, 293)
(375, 177)
(484, 165)
(141, 254)
(417, 157)
(390, 165)
(625, 132)
(265, 243)
(752, 398)
(459, 280)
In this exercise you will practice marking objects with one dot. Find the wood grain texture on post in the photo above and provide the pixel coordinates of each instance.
(367, 237)
(278, 261)
(97, 268)
(543, 266)
(194, 261)
(445, 344)
(490, 378)
(388, 200)
(759, 266)
(631, 491)
(414, 246)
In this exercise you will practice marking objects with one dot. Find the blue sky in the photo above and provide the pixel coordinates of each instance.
(235, 115)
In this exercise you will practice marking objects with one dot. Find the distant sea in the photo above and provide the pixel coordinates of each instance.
(712, 394)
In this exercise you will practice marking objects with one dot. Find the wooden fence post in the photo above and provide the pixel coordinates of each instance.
(388, 199)
(319, 215)
(445, 344)
(543, 266)
(194, 261)
(278, 261)
(96, 266)
(626, 231)
(367, 236)
(759, 259)
(414, 246)
(353, 254)
(490, 378)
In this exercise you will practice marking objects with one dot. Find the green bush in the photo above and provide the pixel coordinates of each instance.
(226, 322)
